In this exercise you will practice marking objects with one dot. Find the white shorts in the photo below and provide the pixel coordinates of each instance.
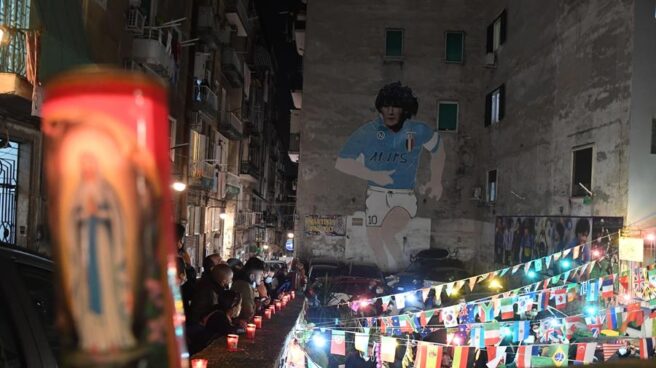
(380, 201)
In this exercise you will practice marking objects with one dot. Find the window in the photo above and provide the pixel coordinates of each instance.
(653, 136)
(173, 127)
(393, 43)
(447, 116)
(581, 171)
(491, 186)
(495, 105)
(496, 33)
(455, 50)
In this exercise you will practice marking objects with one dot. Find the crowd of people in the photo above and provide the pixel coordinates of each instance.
(228, 294)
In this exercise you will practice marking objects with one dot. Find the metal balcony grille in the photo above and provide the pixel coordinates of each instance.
(14, 14)
(8, 184)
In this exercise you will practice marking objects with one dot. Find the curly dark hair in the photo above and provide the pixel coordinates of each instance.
(397, 95)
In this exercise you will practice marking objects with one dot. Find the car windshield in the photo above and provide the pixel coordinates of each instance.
(366, 271)
(447, 274)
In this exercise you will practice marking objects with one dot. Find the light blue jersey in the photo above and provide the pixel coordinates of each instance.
(385, 150)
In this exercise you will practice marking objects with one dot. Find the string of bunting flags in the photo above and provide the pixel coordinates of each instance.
(478, 322)
(536, 265)
(399, 303)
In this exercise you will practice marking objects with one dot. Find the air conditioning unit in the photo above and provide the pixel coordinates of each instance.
(135, 21)
(491, 59)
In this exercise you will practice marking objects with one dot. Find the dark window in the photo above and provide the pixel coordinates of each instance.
(455, 47)
(495, 105)
(447, 116)
(41, 291)
(496, 33)
(582, 172)
(653, 136)
(492, 186)
(393, 42)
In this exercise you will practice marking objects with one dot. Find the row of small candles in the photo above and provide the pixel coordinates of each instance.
(233, 340)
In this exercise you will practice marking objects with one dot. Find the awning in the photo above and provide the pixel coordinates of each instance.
(63, 39)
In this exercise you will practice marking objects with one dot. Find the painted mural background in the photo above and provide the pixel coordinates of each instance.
(522, 238)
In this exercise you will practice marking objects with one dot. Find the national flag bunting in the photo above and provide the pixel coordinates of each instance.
(593, 291)
(387, 349)
(460, 356)
(585, 353)
(496, 355)
(338, 343)
(450, 316)
(614, 317)
(559, 354)
(524, 303)
(507, 308)
(428, 355)
(607, 287)
(486, 311)
(652, 277)
(646, 348)
(523, 357)
(521, 330)
(543, 301)
(362, 341)
(560, 297)
(610, 350)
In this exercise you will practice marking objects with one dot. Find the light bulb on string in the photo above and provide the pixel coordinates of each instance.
(532, 274)
(506, 331)
(566, 264)
(495, 285)
(596, 253)
(591, 310)
(411, 297)
(651, 237)
(318, 340)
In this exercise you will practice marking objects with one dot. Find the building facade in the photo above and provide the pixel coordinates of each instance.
(220, 74)
(541, 109)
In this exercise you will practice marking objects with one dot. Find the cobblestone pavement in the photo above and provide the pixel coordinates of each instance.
(264, 351)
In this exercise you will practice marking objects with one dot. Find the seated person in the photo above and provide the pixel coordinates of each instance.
(207, 294)
(246, 281)
(218, 323)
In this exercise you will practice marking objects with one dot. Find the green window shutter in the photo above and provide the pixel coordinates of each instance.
(394, 42)
(448, 116)
(454, 47)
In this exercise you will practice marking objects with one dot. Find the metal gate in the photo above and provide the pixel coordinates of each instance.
(8, 184)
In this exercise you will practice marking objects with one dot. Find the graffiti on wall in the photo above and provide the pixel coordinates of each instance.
(386, 153)
(316, 225)
(523, 238)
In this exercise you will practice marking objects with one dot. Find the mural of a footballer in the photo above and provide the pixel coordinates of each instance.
(385, 152)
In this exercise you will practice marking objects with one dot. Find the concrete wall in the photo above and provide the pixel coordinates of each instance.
(567, 70)
(642, 166)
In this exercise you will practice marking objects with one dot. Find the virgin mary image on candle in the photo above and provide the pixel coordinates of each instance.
(95, 220)
(98, 236)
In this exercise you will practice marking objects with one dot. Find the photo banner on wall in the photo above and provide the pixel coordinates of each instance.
(326, 225)
(521, 238)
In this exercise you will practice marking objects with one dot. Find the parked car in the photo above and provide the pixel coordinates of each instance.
(427, 272)
(27, 312)
(321, 271)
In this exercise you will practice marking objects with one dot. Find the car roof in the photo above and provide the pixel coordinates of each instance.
(26, 256)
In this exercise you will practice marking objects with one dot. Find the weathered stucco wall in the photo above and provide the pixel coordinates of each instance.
(567, 69)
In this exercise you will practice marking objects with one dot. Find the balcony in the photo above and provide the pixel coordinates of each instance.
(233, 68)
(294, 146)
(209, 29)
(249, 171)
(136, 21)
(232, 127)
(201, 175)
(237, 16)
(205, 100)
(150, 49)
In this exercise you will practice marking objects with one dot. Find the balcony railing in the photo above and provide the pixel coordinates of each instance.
(153, 48)
(233, 67)
(237, 16)
(201, 174)
(205, 99)
(249, 168)
(232, 127)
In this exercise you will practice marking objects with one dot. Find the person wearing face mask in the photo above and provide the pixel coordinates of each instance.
(207, 295)
(245, 284)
